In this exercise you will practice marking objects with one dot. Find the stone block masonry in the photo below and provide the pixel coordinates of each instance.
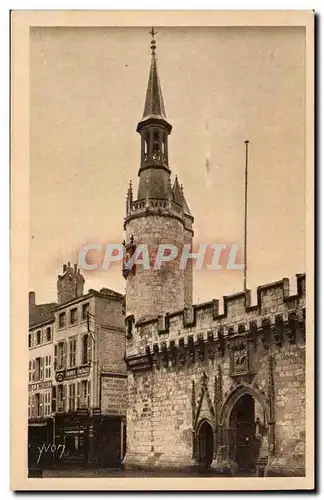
(194, 366)
(148, 292)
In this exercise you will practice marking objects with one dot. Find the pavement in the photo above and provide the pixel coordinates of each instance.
(82, 472)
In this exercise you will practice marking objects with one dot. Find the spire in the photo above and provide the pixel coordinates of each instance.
(154, 129)
(179, 198)
(154, 109)
(177, 192)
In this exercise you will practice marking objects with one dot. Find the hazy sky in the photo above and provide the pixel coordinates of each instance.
(220, 86)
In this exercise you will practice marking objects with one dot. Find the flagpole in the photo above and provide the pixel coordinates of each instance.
(245, 213)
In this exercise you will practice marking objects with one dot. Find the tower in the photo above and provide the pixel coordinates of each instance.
(157, 215)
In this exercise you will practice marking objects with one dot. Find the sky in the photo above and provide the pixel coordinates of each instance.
(221, 86)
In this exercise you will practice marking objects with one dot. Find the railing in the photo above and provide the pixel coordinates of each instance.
(156, 158)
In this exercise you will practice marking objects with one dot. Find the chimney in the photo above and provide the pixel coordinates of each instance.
(32, 299)
(70, 285)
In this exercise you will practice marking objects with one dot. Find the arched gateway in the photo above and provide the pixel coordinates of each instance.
(245, 418)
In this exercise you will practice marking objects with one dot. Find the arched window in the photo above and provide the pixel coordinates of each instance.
(156, 142)
(146, 143)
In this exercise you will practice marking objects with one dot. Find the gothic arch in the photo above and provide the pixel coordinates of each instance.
(201, 422)
(233, 398)
(204, 436)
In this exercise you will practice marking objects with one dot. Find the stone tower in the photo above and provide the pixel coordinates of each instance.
(70, 284)
(159, 214)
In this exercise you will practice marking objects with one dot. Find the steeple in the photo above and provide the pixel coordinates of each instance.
(158, 215)
(154, 130)
(154, 109)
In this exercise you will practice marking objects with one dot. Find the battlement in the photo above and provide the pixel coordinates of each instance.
(205, 321)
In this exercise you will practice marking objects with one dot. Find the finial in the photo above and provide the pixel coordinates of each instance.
(153, 46)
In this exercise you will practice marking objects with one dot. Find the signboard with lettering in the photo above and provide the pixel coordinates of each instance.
(73, 373)
(40, 385)
(84, 370)
(113, 395)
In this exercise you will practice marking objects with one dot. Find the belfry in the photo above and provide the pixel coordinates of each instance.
(158, 215)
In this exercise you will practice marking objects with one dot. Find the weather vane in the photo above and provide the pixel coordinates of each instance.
(153, 46)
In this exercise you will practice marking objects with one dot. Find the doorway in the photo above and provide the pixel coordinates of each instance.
(244, 446)
(205, 446)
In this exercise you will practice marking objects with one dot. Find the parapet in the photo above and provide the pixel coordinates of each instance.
(238, 316)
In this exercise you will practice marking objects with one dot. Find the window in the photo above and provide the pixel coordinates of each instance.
(29, 340)
(73, 316)
(71, 397)
(86, 350)
(38, 337)
(60, 350)
(62, 320)
(129, 324)
(156, 142)
(83, 402)
(47, 404)
(85, 311)
(48, 334)
(61, 397)
(38, 369)
(48, 366)
(30, 371)
(72, 352)
(29, 406)
(53, 398)
(38, 404)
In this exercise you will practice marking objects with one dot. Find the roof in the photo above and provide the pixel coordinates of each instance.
(41, 313)
(154, 109)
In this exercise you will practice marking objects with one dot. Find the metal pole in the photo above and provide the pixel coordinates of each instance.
(245, 214)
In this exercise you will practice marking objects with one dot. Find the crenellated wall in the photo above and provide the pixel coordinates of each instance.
(195, 364)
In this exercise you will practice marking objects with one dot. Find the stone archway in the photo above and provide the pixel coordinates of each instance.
(245, 419)
(205, 444)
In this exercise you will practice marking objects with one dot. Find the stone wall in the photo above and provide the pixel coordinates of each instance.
(195, 364)
(109, 311)
(150, 292)
(188, 272)
(112, 350)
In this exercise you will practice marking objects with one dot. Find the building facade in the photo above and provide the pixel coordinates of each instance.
(222, 390)
(85, 385)
(40, 375)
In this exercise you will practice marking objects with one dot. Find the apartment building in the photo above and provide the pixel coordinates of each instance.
(40, 374)
(83, 406)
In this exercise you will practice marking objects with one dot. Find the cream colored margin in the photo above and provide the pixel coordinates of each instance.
(21, 21)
